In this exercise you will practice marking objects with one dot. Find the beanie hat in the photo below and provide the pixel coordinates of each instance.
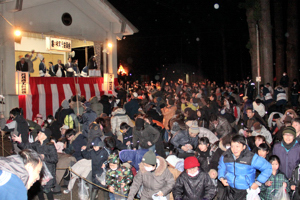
(191, 162)
(194, 128)
(256, 126)
(139, 123)
(149, 158)
(290, 130)
(47, 132)
(97, 142)
(113, 158)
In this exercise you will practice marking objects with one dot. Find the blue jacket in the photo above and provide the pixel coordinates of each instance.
(135, 156)
(240, 173)
(11, 186)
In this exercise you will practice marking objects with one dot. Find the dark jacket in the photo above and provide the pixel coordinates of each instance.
(132, 107)
(135, 156)
(240, 173)
(182, 138)
(106, 106)
(284, 81)
(86, 119)
(98, 159)
(193, 188)
(289, 159)
(96, 106)
(63, 71)
(74, 146)
(22, 127)
(20, 68)
(142, 137)
(128, 136)
(50, 157)
(55, 129)
(66, 110)
(204, 158)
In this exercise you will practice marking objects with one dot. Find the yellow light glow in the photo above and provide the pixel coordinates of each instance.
(17, 32)
(122, 71)
(109, 45)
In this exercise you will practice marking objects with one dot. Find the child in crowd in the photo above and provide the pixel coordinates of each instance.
(203, 153)
(126, 130)
(295, 183)
(99, 155)
(263, 151)
(276, 180)
(259, 139)
(118, 177)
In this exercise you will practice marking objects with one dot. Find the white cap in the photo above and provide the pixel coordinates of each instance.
(173, 160)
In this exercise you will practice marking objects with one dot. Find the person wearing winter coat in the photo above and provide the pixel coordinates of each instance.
(99, 155)
(74, 144)
(106, 105)
(259, 107)
(168, 112)
(134, 157)
(219, 125)
(132, 107)
(154, 176)
(18, 173)
(66, 110)
(237, 168)
(118, 117)
(48, 154)
(186, 141)
(193, 183)
(288, 150)
(258, 129)
(144, 135)
(295, 93)
(86, 118)
(118, 177)
(281, 97)
(204, 154)
(126, 131)
(96, 106)
(19, 122)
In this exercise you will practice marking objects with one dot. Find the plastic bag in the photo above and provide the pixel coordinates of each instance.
(47, 176)
(156, 197)
(281, 194)
(102, 178)
(118, 197)
(83, 192)
(253, 194)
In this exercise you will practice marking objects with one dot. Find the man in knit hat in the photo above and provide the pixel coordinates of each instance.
(154, 176)
(193, 183)
(288, 151)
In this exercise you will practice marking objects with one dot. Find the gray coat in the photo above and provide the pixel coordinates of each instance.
(153, 182)
(96, 106)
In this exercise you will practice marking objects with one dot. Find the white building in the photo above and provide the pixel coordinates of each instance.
(93, 22)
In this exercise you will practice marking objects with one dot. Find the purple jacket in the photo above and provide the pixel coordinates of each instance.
(288, 159)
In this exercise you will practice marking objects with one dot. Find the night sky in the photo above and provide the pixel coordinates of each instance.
(190, 36)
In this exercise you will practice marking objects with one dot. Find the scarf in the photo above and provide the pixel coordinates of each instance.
(288, 146)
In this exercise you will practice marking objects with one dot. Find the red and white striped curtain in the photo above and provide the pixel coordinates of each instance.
(47, 93)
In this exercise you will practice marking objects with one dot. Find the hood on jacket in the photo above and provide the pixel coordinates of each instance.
(160, 168)
(65, 104)
(93, 100)
(118, 111)
(15, 165)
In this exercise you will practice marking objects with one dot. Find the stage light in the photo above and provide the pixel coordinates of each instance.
(216, 6)
(109, 45)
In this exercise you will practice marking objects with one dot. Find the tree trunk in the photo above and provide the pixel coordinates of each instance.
(266, 42)
(279, 39)
(252, 35)
(292, 41)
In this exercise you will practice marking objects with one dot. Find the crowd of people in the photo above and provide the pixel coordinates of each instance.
(169, 140)
(69, 69)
